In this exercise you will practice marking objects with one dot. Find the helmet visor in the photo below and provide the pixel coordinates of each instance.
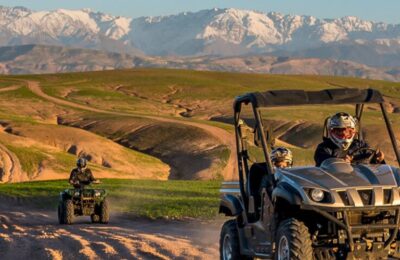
(343, 133)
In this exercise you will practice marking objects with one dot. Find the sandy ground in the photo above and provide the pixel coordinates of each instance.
(224, 136)
(35, 234)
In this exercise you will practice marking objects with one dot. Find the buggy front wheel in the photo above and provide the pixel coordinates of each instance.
(293, 241)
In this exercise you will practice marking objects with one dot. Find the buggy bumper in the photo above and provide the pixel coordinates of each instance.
(341, 216)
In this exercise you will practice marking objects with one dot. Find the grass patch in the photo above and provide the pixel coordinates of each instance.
(142, 198)
(30, 158)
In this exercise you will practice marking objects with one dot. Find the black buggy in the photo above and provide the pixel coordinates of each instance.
(336, 211)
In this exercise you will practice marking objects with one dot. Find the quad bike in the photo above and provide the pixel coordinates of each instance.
(339, 210)
(82, 201)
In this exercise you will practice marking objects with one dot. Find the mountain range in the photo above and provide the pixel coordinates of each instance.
(39, 59)
(224, 34)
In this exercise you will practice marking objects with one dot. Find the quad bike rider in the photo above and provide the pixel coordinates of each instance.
(340, 142)
(81, 175)
(82, 201)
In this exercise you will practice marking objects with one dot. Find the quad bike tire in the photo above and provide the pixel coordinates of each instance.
(69, 212)
(95, 218)
(104, 212)
(60, 213)
(293, 241)
(229, 247)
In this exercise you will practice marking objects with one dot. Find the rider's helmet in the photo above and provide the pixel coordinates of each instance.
(81, 162)
(342, 129)
(281, 155)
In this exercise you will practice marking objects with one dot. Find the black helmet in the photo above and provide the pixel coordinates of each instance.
(81, 162)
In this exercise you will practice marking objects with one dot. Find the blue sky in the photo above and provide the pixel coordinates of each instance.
(385, 11)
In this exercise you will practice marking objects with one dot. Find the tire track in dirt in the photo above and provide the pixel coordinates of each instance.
(27, 233)
(224, 136)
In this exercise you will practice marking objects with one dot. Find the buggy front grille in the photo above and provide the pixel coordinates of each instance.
(368, 197)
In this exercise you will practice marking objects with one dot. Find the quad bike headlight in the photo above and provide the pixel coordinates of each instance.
(97, 194)
(317, 195)
(76, 194)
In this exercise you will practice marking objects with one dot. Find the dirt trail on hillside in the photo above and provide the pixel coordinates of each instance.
(33, 234)
(224, 136)
(10, 88)
(10, 167)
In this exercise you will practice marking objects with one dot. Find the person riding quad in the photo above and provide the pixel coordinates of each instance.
(81, 175)
(282, 157)
(341, 142)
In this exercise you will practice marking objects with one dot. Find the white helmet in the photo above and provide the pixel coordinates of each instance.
(342, 129)
(282, 154)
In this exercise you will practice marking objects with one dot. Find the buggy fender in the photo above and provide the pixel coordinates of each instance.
(290, 195)
(230, 205)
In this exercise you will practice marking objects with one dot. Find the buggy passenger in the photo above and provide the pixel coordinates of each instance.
(281, 158)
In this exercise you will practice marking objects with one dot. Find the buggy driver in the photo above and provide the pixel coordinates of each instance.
(81, 175)
(341, 142)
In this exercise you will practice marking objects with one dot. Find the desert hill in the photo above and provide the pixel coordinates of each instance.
(41, 59)
(157, 123)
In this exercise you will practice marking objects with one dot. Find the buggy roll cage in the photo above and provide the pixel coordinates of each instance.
(277, 98)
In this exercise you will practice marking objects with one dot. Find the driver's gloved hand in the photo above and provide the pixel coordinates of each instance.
(348, 158)
(379, 155)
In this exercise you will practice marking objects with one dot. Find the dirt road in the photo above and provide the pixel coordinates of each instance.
(34, 234)
(224, 136)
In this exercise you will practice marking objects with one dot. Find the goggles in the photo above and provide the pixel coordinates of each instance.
(343, 133)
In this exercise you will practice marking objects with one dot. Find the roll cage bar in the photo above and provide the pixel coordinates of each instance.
(277, 98)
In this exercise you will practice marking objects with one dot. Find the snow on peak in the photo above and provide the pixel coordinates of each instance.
(190, 32)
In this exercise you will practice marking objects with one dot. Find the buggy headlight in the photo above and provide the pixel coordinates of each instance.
(317, 195)
(97, 194)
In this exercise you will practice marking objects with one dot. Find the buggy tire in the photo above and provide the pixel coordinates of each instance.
(104, 212)
(229, 247)
(293, 241)
(69, 212)
(60, 213)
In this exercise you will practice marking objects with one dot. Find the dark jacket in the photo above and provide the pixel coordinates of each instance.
(328, 149)
(81, 176)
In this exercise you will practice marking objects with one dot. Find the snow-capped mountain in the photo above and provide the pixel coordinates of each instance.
(215, 31)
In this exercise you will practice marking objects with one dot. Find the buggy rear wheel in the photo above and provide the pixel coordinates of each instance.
(229, 248)
(104, 212)
(69, 212)
(293, 241)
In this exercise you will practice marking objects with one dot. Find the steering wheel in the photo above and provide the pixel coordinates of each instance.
(363, 155)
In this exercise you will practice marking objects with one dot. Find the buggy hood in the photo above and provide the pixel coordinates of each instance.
(342, 175)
